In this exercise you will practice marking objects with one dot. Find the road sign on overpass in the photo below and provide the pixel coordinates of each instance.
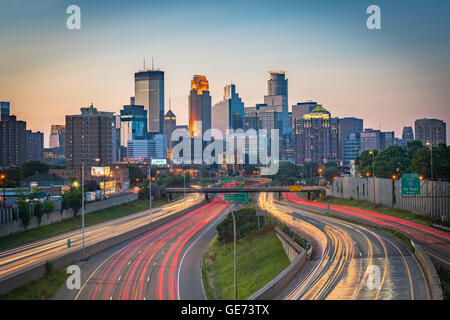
(295, 188)
(236, 197)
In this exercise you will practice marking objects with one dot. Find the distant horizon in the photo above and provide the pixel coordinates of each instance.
(389, 77)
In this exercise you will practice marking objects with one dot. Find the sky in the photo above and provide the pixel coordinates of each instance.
(388, 77)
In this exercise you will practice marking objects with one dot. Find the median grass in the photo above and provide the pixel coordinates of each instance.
(44, 288)
(361, 204)
(74, 223)
(260, 258)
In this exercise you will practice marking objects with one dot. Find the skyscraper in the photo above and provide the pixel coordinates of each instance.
(347, 126)
(316, 137)
(370, 140)
(90, 136)
(13, 142)
(149, 92)
(170, 124)
(4, 108)
(387, 139)
(133, 124)
(35, 145)
(57, 139)
(228, 113)
(199, 106)
(407, 134)
(277, 97)
(302, 108)
(431, 130)
(351, 147)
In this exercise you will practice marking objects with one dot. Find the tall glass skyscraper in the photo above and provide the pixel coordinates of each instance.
(4, 107)
(133, 124)
(228, 113)
(277, 87)
(149, 92)
(199, 106)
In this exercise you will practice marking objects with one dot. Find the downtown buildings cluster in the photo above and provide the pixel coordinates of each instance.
(143, 129)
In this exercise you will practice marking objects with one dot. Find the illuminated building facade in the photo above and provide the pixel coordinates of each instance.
(199, 106)
(277, 98)
(149, 92)
(316, 137)
(228, 113)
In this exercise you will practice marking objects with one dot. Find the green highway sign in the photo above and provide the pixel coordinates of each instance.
(226, 179)
(410, 184)
(236, 197)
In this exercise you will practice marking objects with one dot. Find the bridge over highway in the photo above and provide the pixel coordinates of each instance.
(207, 190)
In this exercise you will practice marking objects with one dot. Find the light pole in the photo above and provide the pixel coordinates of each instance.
(184, 183)
(373, 175)
(82, 203)
(150, 188)
(429, 144)
(234, 248)
(3, 178)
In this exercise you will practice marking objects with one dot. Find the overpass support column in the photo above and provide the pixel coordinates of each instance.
(309, 195)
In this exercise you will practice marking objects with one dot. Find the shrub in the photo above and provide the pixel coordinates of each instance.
(49, 206)
(38, 210)
(24, 212)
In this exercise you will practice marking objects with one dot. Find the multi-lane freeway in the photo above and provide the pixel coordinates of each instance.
(436, 243)
(349, 261)
(28, 255)
(164, 263)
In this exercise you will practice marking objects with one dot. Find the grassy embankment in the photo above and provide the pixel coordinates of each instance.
(44, 288)
(75, 223)
(260, 257)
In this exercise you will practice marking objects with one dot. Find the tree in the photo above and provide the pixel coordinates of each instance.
(330, 172)
(389, 160)
(72, 199)
(365, 162)
(412, 147)
(49, 206)
(421, 162)
(24, 211)
(38, 210)
(31, 167)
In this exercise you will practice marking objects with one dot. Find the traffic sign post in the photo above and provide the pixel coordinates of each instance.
(261, 213)
(410, 184)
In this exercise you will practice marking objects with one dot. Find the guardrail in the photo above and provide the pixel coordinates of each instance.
(279, 283)
(432, 278)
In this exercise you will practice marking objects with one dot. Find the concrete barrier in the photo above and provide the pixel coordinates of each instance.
(432, 278)
(279, 283)
(38, 271)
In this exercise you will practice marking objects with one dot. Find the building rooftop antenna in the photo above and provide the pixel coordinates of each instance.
(152, 64)
(169, 100)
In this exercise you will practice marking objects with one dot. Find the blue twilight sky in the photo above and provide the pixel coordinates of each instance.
(388, 77)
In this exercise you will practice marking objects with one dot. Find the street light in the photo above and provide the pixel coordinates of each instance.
(234, 247)
(429, 144)
(373, 175)
(3, 178)
(150, 188)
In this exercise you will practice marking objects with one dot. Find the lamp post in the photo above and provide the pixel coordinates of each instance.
(373, 175)
(184, 183)
(3, 178)
(429, 144)
(234, 248)
(82, 203)
(150, 188)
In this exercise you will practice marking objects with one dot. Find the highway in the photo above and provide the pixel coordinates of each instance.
(348, 261)
(163, 264)
(28, 255)
(436, 243)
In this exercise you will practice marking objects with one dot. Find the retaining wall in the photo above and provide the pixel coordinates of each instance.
(279, 283)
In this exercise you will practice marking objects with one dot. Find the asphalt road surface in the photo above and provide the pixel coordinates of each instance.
(349, 261)
(436, 243)
(25, 256)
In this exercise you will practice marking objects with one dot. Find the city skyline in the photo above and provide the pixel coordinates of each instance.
(350, 70)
